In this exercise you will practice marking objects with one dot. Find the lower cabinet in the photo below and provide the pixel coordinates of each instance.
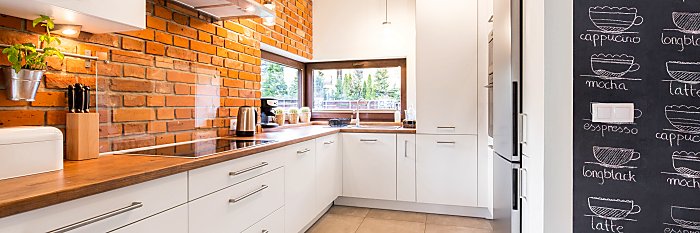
(446, 169)
(300, 183)
(171, 221)
(369, 165)
(273, 223)
(240, 206)
(329, 171)
(406, 167)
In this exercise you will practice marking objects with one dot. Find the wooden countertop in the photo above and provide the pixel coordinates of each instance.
(84, 178)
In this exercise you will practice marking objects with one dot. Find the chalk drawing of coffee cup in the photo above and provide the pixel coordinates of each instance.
(686, 217)
(612, 66)
(684, 72)
(612, 209)
(684, 118)
(614, 157)
(614, 19)
(687, 164)
(687, 22)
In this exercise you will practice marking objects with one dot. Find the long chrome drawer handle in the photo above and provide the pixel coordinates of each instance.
(444, 142)
(248, 169)
(446, 127)
(303, 151)
(133, 206)
(247, 194)
(265, 231)
(368, 140)
(329, 142)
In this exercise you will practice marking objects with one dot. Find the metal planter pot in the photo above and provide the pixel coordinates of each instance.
(22, 85)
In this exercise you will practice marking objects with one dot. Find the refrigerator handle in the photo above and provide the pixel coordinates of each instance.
(522, 128)
(522, 181)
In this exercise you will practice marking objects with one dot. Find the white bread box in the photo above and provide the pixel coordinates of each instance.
(30, 150)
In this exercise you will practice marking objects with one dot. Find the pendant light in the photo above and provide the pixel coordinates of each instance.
(386, 13)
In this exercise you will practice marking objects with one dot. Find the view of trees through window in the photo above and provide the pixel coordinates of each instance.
(280, 82)
(339, 89)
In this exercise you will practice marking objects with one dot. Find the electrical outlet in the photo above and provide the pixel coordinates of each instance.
(232, 126)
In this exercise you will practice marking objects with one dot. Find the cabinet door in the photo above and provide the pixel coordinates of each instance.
(369, 165)
(406, 167)
(446, 71)
(446, 169)
(329, 171)
(273, 223)
(171, 221)
(300, 185)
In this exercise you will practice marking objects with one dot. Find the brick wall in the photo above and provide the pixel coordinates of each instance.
(180, 79)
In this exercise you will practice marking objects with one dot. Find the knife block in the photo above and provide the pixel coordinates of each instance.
(82, 136)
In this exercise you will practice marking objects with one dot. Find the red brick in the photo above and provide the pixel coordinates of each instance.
(21, 118)
(10, 22)
(181, 42)
(183, 113)
(203, 36)
(132, 58)
(164, 62)
(57, 117)
(50, 99)
(109, 69)
(165, 139)
(103, 39)
(166, 113)
(221, 32)
(111, 130)
(182, 30)
(177, 76)
(182, 89)
(179, 101)
(155, 48)
(134, 71)
(134, 101)
(164, 88)
(181, 65)
(164, 38)
(157, 127)
(180, 125)
(132, 44)
(155, 23)
(204, 26)
(181, 19)
(130, 85)
(133, 114)
(203, 47)
(155, 73)
(134, 128)
(133, 142)
(229, 44)
(146, 34)
(156, 101)
(163, 12)
(234, 27)
(183, 54)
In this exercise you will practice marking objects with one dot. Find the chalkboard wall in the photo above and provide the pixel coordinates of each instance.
(643, 176)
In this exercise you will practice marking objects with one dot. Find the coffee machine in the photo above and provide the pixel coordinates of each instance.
(267, 114)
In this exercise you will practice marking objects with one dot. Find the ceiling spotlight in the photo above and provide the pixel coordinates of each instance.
(386, 13)
(67, 30)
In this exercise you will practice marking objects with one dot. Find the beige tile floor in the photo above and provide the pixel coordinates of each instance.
(343, 219)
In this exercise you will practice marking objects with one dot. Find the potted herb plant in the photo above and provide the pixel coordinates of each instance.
(28, 63)
(305, 114)
(293, 115)
(279, 116)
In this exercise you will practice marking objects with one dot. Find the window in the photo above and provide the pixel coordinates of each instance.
(377, 86)
(281, 79)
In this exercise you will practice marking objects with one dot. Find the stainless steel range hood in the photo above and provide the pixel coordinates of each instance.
(230, 9)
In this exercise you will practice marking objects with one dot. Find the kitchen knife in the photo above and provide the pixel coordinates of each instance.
(86, 99)
(78, 92)
(71, 99)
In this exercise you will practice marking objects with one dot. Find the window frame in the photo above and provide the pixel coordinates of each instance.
(369, 115)
(271, 57)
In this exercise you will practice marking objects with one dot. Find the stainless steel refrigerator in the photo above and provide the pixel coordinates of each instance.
(507, 115)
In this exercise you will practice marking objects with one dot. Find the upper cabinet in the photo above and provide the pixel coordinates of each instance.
(446, 66)
(96, 16)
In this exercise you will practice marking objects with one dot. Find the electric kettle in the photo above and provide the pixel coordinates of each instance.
(246, 123)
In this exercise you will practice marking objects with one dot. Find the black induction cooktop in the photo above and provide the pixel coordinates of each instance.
(198, 149)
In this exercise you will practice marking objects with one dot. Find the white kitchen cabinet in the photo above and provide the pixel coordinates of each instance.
(369, 165)
(300, 186)
(238, 207)
(329, 171)
(171, 221)
(273, 223)
(95, 16)
(446, 170)
(406, 167)
(446, 67)
(154, 196)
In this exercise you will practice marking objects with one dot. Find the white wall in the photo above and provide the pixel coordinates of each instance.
(548, 101)
(353, 30)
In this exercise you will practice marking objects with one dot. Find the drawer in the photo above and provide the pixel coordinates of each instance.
(209, 179)
(154, 196)
(171, 221)
(238, 207)
(273, 223)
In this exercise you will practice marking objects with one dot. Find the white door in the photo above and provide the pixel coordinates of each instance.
(406, 167)
(369, 165)
(446, 169)
(446, 66)
(300, 186)
(329, 170)
(171, 221)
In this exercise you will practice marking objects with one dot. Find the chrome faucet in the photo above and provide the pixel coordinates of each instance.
(357, 112)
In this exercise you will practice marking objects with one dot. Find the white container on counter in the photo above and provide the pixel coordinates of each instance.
(30, 150)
